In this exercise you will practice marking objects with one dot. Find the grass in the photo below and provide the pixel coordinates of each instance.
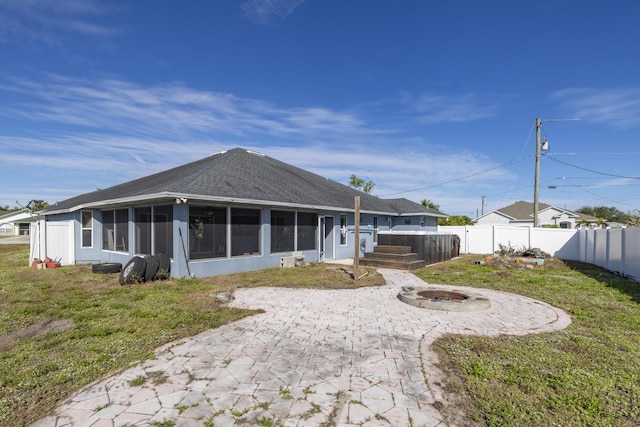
(586, 375)
(62, 329)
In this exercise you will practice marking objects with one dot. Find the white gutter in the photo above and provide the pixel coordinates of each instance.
(171, 195)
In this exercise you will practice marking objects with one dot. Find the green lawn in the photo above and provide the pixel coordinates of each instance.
(64, 328)
(586, 375)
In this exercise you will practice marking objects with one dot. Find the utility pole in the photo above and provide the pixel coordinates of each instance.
(484, 202)
(536, 185)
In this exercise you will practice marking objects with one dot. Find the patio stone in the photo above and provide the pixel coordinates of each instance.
(345, 357)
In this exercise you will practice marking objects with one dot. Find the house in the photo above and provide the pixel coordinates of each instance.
(521, 214)
(16, 223)
(231, 212)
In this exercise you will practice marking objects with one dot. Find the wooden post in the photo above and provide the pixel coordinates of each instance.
(356, 239)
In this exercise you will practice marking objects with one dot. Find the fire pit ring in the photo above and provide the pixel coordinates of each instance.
(439, 299)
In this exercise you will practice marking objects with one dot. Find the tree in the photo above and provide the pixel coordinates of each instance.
(605, 213)
(633, 218)
(37, 204)
(360, 184)
(429, 204)
(455, 220)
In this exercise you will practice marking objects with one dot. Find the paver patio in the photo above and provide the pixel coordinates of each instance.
(315, 357)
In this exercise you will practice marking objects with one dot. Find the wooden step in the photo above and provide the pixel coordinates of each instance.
(388, 249)
(397, 257)
(390, 257)
(397, 265)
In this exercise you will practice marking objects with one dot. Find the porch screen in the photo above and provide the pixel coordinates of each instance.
(307, 231)
(115, 230)
(154, 230)
(207, 232)
(245, 231)
(282, 231)
(163, 230)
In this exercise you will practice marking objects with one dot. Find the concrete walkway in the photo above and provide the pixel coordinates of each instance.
(315, 357)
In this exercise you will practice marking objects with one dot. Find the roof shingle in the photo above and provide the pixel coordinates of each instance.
(241, 175)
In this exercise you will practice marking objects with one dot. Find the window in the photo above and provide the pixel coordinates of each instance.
(207, 232)
(282, 231)
(87, 228)
(306, 233)
(245, 231)
(154, 230)
(115, 230)
(343, 230)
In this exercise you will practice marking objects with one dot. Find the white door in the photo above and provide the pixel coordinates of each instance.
(327, 238)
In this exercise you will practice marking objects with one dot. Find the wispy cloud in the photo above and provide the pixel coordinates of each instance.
(171, 109)
(618, 107)
(438, 108)
(45, 20)
(432, 108)
(267, 12)
(115, 130)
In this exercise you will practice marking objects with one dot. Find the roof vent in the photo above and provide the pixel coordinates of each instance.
(256, 153)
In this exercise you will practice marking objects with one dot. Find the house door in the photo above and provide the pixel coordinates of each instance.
(327, 237)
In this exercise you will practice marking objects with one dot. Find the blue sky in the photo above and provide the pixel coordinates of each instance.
(428, 99)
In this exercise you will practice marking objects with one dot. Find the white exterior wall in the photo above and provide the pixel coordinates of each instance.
(555, 217)
(493, 218)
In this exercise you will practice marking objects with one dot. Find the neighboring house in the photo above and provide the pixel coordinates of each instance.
(16, 223)
(233, 211)
(521, 214)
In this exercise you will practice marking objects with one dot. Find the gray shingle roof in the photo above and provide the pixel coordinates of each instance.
(523, 211)
(243, 176)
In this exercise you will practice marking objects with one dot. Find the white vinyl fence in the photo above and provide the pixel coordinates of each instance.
(616, 249)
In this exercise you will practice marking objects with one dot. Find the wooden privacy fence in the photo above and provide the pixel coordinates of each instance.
(429, 246)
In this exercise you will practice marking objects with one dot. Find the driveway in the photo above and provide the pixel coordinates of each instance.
(315, 357)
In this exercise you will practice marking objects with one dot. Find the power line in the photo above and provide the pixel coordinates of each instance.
(596, 154)
(456, 179)
(605, 198)
(590, 170)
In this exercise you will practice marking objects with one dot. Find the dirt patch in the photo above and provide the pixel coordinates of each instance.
(515, 262)
(41, 327)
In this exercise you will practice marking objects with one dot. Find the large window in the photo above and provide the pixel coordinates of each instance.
(87, 229)
(307, 231)
(154, 230)
(115, 230)
(245, 231)
(207, 232)
(282, 231)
